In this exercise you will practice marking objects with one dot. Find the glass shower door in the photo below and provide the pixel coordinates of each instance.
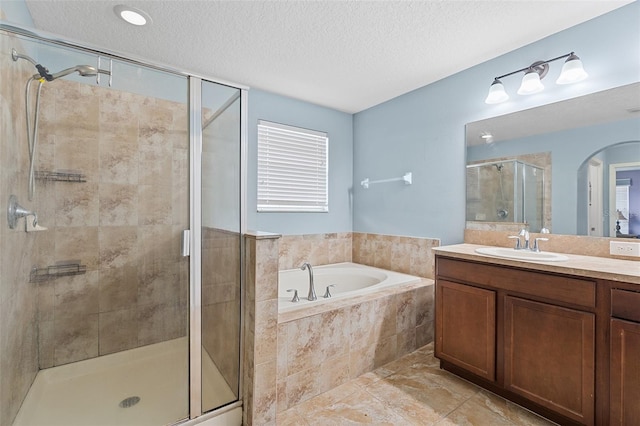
(221, 244)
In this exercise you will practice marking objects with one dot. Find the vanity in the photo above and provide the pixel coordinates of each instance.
(559, 338)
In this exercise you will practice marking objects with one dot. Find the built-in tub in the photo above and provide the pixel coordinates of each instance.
(349, 279)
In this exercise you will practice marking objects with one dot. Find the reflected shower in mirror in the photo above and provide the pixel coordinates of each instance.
(569, 141)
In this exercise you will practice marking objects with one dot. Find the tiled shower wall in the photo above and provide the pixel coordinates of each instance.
(18, 250)
(123, 223)
(221, 301)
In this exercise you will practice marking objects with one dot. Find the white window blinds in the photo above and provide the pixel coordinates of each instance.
(292, 169)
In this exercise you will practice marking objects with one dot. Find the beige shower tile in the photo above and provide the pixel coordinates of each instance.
(154, 206)
(155, 168)
(153, 129)
(159, 242)
(118, 288)
(76, 110)
(302, 385)
(46, 344)
(158, 282)
(118, 331)
(180, 187)
(76, 295)
(77, 204)
(80, 155)
(119, 158)
(118, 246)
(157, 323)
(78, 243)
(119, 111)
(76, 338)
(46, 300)
(118, 205)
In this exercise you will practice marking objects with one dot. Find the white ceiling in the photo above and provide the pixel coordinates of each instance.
(347, 55)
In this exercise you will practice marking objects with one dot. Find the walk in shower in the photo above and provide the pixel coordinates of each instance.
(507, 191)
(122, 306)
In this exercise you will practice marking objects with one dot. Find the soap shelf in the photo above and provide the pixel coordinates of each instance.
(55, 271)
(61, 176)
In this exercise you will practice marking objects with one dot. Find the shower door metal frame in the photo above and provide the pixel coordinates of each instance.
(195, 267)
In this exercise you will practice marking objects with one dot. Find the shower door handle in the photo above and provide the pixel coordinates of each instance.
(186, 239)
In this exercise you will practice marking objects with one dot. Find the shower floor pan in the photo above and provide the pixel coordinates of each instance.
(105, 390)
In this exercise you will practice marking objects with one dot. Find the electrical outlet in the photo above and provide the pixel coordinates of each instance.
(624, 248)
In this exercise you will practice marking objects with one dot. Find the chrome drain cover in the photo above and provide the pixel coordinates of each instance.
(129, 402)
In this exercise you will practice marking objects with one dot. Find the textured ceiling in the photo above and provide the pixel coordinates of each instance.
(347, 55)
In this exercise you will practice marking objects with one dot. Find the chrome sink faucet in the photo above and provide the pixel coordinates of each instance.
(526, 246)
(312, 291)
(523, 233)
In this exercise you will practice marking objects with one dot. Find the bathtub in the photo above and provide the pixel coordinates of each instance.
(349, 279)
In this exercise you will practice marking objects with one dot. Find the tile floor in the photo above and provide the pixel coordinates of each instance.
(412, 390)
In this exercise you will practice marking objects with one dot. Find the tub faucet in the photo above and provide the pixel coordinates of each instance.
(312, 290)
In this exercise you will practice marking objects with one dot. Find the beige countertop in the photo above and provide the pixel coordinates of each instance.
(582, 266)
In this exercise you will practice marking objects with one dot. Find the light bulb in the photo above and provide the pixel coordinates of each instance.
(530, 83)
(572, 71)
(496, 93)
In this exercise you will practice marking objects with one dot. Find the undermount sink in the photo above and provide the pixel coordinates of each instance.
(509, 253)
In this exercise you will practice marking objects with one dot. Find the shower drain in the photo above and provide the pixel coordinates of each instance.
(129, 402)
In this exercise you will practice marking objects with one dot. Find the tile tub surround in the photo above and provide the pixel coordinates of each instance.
(274, 370)
(571, 244)
(317, 249)
(408, 255)
(260, 328)
(317, 352)
(409, 391)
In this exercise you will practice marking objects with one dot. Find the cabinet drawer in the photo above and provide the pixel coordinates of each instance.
(625, 304)
(558, 288)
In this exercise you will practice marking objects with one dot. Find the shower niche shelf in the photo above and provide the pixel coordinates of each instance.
(61, 176)
(55, 271)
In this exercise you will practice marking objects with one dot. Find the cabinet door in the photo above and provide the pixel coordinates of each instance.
(466, 327)
(549, 356)
(625, 373)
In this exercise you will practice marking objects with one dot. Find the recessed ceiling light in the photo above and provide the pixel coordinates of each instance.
(132, 15)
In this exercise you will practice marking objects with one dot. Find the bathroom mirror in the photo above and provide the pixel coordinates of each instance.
(570, 154)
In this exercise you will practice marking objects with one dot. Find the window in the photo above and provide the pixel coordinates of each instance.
(292, 169)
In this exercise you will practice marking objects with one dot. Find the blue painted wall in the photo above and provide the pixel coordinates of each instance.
(339, 126)
(423, 131)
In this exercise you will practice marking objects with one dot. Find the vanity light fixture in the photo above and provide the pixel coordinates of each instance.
(572, 72)
(132, 15)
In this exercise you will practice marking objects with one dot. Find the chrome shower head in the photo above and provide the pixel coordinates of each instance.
(83, 70)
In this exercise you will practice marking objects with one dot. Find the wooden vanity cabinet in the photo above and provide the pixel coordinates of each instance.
(467, 327)
(528, 336)
(625, 360)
